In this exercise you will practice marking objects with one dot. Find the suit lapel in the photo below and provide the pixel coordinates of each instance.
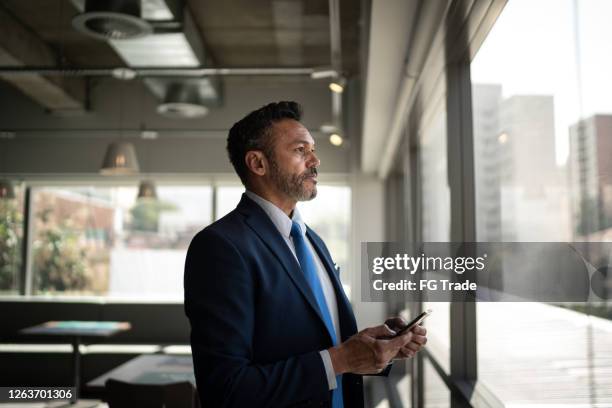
(261, 224)
(348, 325)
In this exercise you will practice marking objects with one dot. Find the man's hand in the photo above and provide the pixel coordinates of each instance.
(419, 338)
(369, 351)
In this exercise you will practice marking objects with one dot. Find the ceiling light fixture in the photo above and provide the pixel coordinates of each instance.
(338, 85)
(147, 134)
(323, 73)
(335, 139)
(182, 101)
(112, 20)
(328, 128)
(120, 159)
(147, 190)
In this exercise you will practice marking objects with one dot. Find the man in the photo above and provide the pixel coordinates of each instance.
(270, 323)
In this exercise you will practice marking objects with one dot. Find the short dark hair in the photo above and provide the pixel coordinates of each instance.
(253, 133)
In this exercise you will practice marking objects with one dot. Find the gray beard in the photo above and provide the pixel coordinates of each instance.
(292, 185)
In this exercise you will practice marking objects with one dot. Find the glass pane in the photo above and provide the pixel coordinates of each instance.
(542, 131)
(329, 214)
(435, 204)
(227, 199)
(11, 241)
(437, 394)
(103, 241)
(436, 223)
(438, 332)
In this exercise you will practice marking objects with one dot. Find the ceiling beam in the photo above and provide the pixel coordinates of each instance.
(21, 47)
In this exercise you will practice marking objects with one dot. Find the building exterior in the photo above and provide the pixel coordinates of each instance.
(591, 174)
(486, 101)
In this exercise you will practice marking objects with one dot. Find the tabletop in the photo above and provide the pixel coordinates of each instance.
(78, 328)
(150, 369)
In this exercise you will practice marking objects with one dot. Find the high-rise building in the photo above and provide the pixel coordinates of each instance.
(591, 174)
(486, 101)
(534, 193)
(521, 192)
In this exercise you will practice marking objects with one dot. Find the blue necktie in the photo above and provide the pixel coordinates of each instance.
(309, 268)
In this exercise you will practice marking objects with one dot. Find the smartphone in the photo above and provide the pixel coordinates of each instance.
(414, 322)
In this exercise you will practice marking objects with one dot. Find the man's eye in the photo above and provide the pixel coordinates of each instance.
(300, 149)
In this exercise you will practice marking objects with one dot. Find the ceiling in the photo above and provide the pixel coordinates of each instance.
(239, 33)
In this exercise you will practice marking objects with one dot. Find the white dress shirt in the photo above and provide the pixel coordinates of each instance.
(283, 224)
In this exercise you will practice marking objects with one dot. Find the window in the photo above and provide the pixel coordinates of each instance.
(542, 121)
(227, 198)
(94, 240)
(100, 240)
(329, 214)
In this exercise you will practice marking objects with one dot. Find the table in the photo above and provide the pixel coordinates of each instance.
(76, 330)
(150, 369)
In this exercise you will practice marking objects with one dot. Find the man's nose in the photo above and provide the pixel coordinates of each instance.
(313, 160)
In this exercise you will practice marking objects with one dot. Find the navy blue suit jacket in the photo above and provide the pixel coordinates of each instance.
(256, 331)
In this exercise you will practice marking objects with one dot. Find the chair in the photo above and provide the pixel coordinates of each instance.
(120, 394)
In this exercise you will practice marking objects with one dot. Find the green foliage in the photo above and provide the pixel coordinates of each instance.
(10, 243)
(145, 214)
(59, 260)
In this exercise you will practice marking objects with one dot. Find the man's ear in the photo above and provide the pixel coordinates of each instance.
(256, 162)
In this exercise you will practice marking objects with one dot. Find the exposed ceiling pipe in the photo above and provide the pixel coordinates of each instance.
(156, 71)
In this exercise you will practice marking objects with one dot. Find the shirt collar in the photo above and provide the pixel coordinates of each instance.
(278, 217)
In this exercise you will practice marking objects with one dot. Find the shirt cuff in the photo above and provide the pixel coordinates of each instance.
(329, 369)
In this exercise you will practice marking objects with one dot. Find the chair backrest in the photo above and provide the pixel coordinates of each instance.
(120, 394)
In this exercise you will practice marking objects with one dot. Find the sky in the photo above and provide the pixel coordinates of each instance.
(532, 50)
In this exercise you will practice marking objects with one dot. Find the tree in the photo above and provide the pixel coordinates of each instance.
(10, 243)
(59, 260)
(145, 214)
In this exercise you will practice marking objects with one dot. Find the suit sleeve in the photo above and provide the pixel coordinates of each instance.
(220, 293)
